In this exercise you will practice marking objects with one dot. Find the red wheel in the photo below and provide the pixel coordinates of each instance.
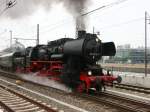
(81, 87)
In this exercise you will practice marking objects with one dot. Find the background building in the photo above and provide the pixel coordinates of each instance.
(126, 54)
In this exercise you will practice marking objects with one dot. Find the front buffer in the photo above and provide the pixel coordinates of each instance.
(96, 82)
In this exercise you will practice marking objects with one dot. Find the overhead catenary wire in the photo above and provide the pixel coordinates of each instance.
(47, 28)
(19, 36)
(123, 23)
(104, 6)
(9, 4)
(105, 27)
(56, 26)
(2, 32)
(62, 22)
(2, 3)
(89, 12)
(3, 11)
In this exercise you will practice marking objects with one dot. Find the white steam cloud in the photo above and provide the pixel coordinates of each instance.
(27, 7)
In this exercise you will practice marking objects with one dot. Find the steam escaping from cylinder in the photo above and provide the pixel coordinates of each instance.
(27, 7)
(44, 81)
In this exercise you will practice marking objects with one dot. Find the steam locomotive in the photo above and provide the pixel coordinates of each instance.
(72, 62)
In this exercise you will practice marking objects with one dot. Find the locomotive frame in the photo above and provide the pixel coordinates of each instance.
(67, 60)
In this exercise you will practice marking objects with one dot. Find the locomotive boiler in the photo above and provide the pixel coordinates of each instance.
(70, 61)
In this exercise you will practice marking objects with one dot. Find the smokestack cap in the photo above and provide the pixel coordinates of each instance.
(81, 33)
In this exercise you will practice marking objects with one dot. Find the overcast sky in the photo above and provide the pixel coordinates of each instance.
(122, 23)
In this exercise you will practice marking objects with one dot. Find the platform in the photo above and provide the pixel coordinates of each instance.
(138, 79)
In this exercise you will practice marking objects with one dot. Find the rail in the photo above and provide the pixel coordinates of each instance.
(13, 101)
(124, 104)
(133, 88)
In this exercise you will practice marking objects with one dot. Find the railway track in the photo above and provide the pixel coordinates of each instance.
(124, 104)
(116, 85)
(12, 101)
(9, 74)
(66, 106)
(133, 88)
(120, 103)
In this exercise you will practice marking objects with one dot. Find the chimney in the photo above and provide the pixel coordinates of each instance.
(81, 33)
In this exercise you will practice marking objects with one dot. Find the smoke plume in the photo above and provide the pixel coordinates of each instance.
(76, 8)
(27, 7)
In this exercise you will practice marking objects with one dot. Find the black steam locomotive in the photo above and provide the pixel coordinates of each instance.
(67, 60)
